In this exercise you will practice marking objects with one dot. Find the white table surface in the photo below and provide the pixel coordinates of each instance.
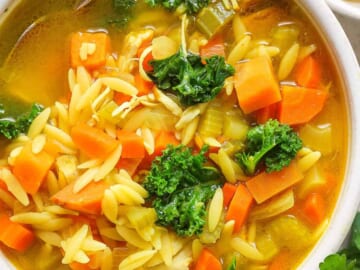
(352, 29)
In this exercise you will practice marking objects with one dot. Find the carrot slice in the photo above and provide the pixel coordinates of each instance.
(281, 261)
(207, 260)
(149, 57)
(256, 85)
(88, 200)
(299, 104)
(266, 113)
(314, 208)
(308, 73)
(265, 185)
(132, 144)
(89, 49)
(30, 169)
(120, 98)
(15, 235)
(215, 46)
(93, 141)
(129, 164)
(144, 87)
(240, 206)
(228, 191)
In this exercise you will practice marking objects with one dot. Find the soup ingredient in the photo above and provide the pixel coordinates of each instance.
(207, 260)
(12, 128)
(93, 141)
(211, 19)
(15, 235)
(240, 206)
(349, 257)
(181, 186)
(299, 104)
(272, 144)
(132, 144)
(215, 46)
(88, 200)
(228, 191)
(314, 208)
(189, 6)
(308, 73)
(31, 168)
(256, 85)
(89, 49)
(265, 185)
(232, 265)
(189, 78)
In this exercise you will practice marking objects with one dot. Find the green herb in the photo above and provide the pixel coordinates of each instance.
(272, 143)
(12, 128)
(232, 265)
(191, 80)
(181, 185)
(348, 258)
(190, 6)
(124, 12)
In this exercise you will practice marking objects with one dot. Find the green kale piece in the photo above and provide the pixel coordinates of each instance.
(191, 6)
(349, 257)
(180, 186)
(123, 4)
(232, 265)
(124, 12)
(189, 78)
(272, 143)
(12, 128)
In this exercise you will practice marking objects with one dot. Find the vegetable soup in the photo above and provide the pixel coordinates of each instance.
(166, 135)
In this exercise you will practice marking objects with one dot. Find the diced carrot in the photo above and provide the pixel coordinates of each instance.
(15, 235)
(89, 49)
(144, 87)
(308, 73)
(198, 141)
(256, 85)
(239, 207)
(228, 191)
(87, 200)
(215, 46)
(265, 185)
(132, 144)
(30, 169)
(314, 208)
(299, 104)
(266, 113)
(120, 98)
(79, 266)
(280, 262)
(94, 142)
(129, 164)
(207, 261)
(149, 57)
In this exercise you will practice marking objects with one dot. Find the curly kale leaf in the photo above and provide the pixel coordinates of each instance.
(180, 186)
(12, 128)
(191, 6)
(272, 143)
(189, 78)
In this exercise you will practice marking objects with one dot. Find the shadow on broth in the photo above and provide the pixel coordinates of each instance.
(160, 135)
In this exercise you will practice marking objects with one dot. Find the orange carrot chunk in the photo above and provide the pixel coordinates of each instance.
(299, 104)
(266, 113)
(132, 144)
(256, 85)
(15, 235)
(89, 49)
(281, 261)
(93, 141)
(240, 206)
(314, 208)
(87, 200)
(215, 46)
(228, 191)
(144, 87)
(129, 164)
(30, 169)
(207, 261)
(308, 73)
(265, 185)
(120, 98)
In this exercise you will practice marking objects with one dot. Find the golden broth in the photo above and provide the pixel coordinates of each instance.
(34, 58)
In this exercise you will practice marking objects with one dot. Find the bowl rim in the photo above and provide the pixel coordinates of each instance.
(343, 55)
(347, 8)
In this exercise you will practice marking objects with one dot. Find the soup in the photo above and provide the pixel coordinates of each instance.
(142, 136)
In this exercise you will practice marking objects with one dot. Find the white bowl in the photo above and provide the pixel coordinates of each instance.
(348, 68)
(350, 8)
